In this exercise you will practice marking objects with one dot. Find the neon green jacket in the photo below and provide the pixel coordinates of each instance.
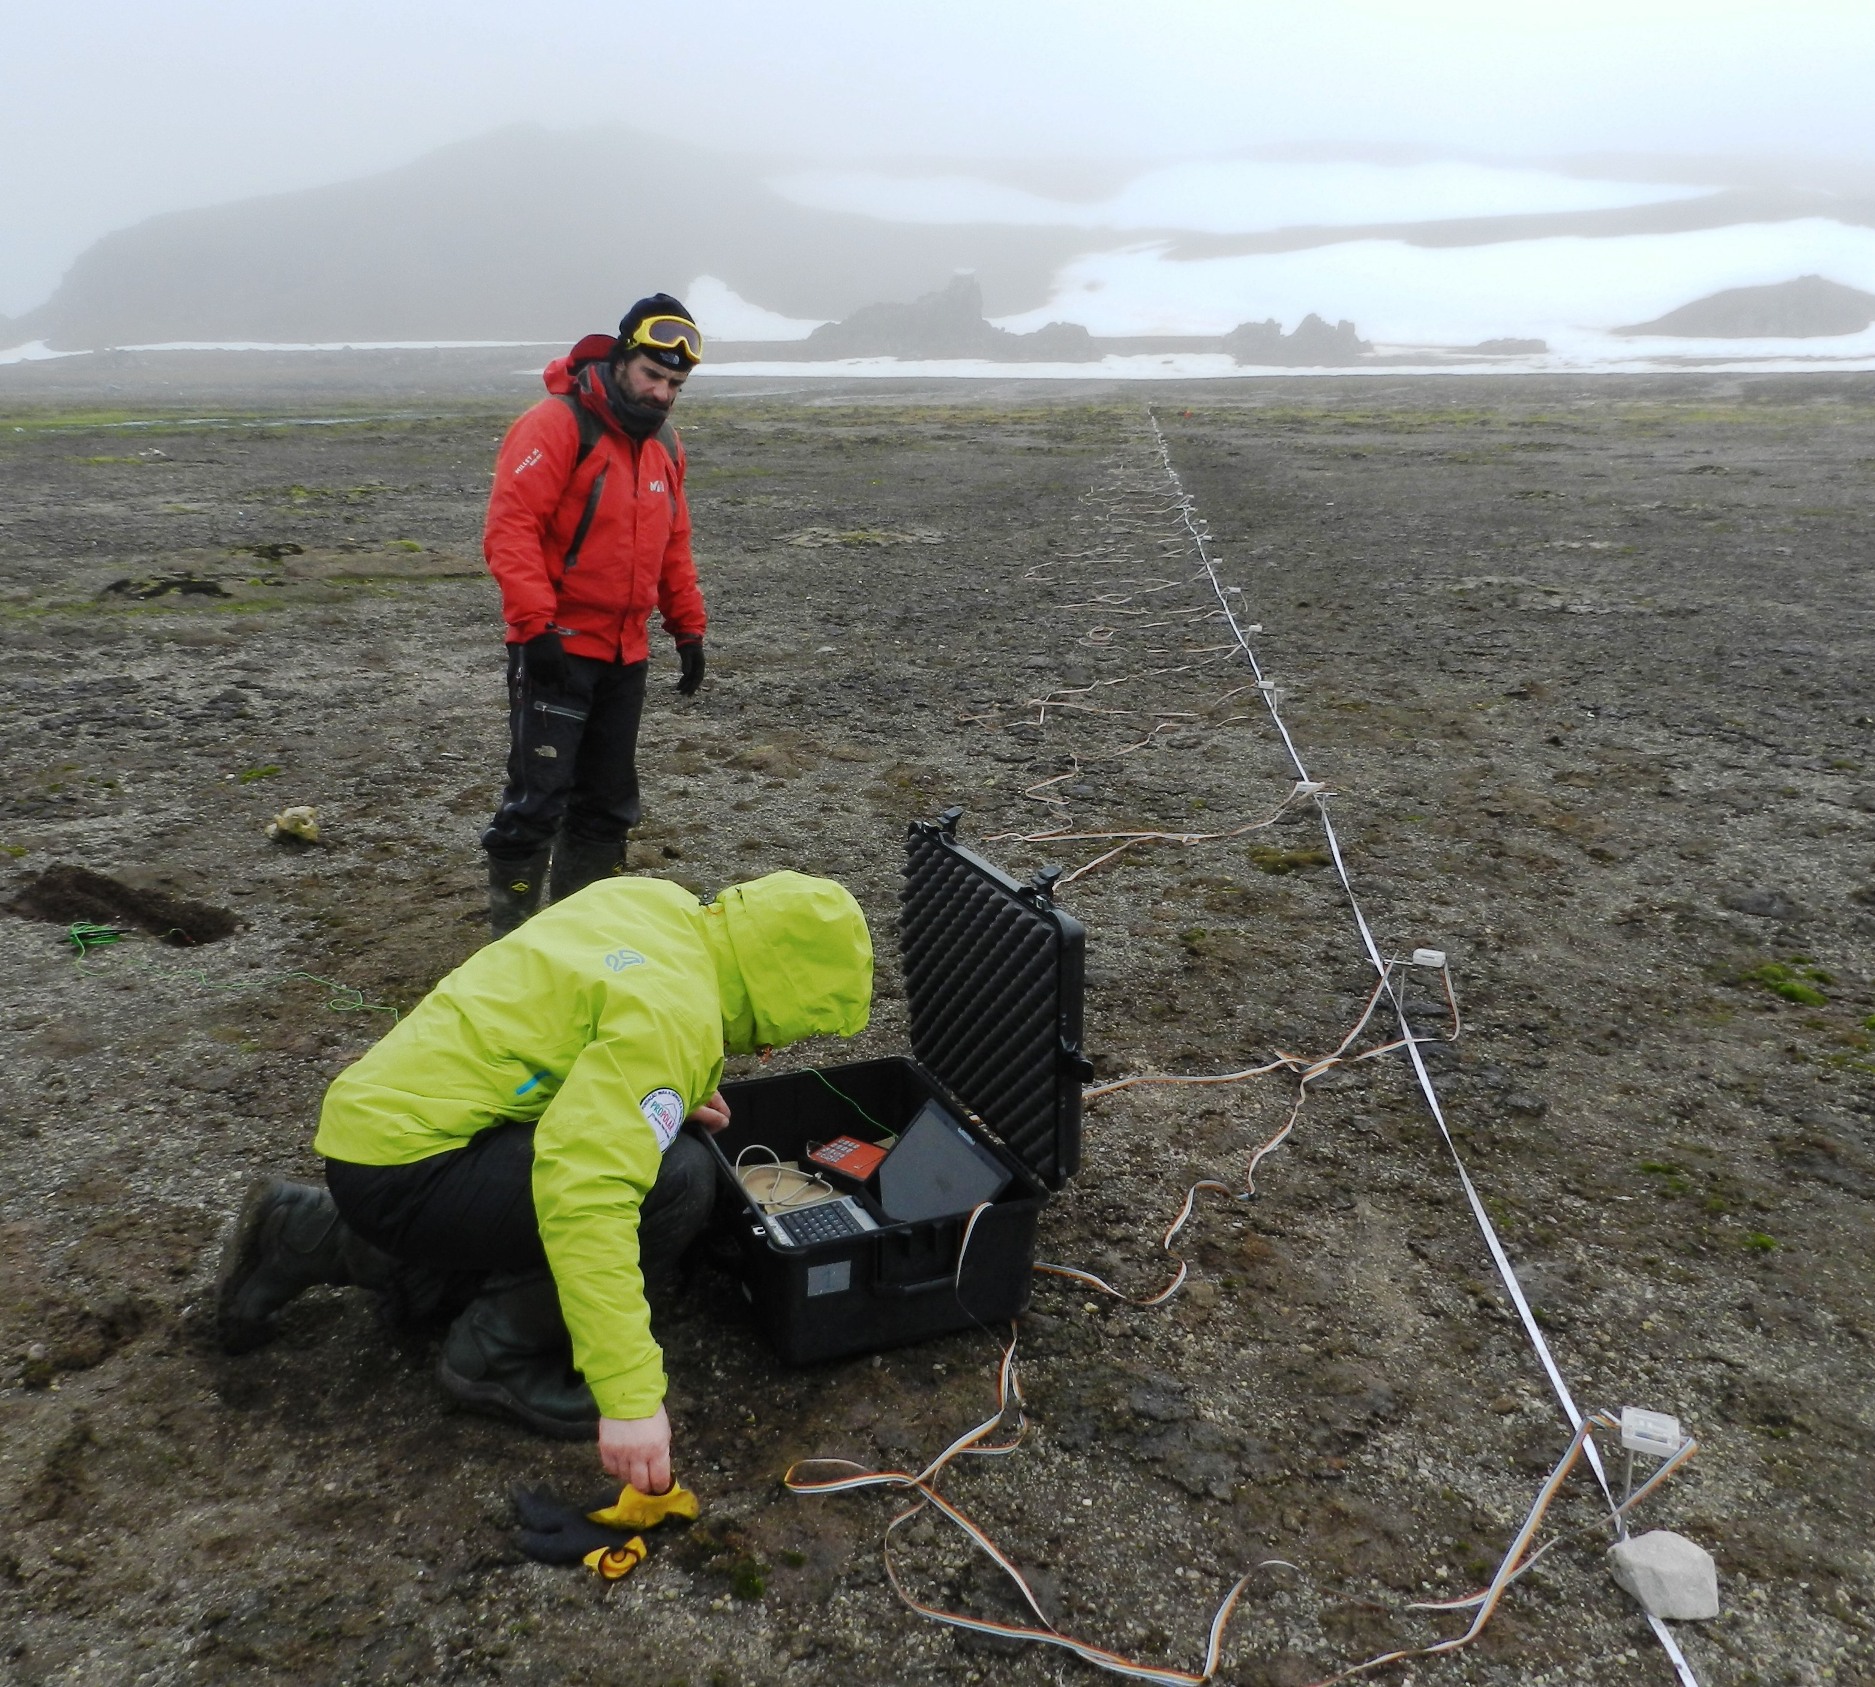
(606, 1018)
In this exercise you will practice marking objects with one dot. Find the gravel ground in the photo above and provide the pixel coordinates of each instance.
(1584, 666)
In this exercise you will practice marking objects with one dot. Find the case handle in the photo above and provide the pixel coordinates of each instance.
(925, 1286)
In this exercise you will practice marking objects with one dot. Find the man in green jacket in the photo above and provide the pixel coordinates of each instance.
(525, 1123)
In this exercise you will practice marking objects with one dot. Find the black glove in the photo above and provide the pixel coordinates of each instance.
(554, 1531)
(543, 659)
(604, 1536)
(690, 653)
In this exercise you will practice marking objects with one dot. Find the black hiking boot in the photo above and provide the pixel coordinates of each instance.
(509, 1354)
(288, 1237)
(514, 889)
(578, 862)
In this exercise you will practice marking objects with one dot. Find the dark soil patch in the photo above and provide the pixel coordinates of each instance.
(63, 894)
(161, 585)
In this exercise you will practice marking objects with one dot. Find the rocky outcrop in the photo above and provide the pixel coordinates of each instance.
(1057, 342)
(1314, 344)
(1808, 308)
(946, 324)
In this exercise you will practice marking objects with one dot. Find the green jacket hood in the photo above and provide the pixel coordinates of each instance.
(793, 960)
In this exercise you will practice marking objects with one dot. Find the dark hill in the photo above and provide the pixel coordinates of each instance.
(525, 234)
(949, 323)
(1807, 308)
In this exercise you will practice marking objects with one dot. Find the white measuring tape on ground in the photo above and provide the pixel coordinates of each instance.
(1273, 702)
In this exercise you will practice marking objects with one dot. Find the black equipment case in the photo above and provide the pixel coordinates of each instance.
(993, 984)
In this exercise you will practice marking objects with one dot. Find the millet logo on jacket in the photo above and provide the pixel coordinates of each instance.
(529, 460)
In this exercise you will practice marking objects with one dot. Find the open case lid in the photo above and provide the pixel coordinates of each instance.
(993, 979)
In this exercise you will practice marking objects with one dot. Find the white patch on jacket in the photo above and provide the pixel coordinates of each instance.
(665, 1110)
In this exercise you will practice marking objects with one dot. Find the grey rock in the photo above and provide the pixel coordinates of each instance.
(1161, 1400)
(1762, 904)
(1197, 1456)
(1668, 1574)
(1829, 1159)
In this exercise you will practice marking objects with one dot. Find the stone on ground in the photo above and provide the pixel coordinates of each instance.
(1670, 1575)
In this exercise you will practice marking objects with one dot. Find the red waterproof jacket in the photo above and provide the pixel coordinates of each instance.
(590, 546)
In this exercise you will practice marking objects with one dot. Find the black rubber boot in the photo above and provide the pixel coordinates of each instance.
(509, 1354)
(577, 862)
(513, 891)
(288, 1237)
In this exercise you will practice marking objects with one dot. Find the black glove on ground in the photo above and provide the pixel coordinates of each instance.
(603, 1536)
(555, 1531)
(544, 659)
(690, 653)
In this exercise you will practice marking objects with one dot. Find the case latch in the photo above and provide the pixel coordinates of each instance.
(1041, 887)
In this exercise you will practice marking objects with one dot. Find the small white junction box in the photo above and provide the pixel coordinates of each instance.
(1653, 1433)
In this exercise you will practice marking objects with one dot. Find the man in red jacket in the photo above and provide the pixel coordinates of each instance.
(587, 533)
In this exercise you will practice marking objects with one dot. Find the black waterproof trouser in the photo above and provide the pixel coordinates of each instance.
(572, 757)
(470, 1210)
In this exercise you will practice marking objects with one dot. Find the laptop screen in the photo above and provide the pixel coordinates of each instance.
(937, 1170)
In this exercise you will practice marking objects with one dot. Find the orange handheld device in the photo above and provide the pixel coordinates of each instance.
(848, 1156)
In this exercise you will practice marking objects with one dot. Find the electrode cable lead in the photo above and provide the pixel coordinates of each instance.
(1499, 1257)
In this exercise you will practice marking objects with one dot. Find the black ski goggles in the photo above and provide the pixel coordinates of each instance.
(668, 334)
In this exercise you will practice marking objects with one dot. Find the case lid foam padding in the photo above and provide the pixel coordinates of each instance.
(993, 981)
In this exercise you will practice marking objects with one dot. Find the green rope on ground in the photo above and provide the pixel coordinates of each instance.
(340, 998)
(344, 998)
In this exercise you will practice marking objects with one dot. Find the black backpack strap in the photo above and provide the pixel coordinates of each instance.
(589, 425)
(590, 428)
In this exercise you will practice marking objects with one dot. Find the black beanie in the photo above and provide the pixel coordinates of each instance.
(659, 304)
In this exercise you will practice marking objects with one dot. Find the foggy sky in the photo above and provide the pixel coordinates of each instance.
(112, 111)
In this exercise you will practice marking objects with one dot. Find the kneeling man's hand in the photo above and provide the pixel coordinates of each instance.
(712, 1115)
(638, 1451)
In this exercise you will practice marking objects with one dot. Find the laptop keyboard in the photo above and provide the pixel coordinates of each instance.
(828, 1222)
